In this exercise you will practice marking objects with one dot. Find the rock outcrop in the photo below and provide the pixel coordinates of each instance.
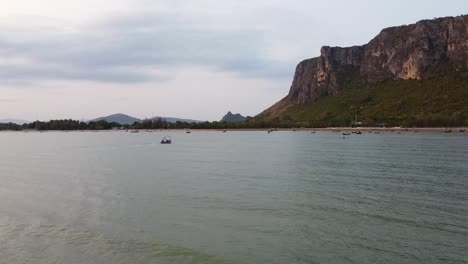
(232, 118)
(406, 52)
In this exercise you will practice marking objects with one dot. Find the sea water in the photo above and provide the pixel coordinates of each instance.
(234, 197)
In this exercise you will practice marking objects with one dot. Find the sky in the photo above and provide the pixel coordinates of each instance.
(193, 59)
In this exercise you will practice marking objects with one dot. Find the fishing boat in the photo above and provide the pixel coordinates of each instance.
(358, 132)
(187, 131)
(166, 140)
(448, 131)
(346, 133)
(134, 131)
(462, 130)
(224, 131)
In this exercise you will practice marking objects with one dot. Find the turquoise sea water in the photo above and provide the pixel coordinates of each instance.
(235, 197)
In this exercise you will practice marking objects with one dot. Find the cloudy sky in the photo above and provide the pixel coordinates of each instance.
(184, 58)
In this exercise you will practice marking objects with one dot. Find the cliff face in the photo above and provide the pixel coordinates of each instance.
(406, 52)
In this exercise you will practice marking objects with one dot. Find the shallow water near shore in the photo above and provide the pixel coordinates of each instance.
(235, 197)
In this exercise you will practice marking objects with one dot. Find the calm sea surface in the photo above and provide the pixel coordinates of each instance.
(235, 197)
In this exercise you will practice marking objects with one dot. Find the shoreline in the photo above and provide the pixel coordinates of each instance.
(335, 129)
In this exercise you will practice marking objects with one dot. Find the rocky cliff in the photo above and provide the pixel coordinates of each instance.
(406, 52)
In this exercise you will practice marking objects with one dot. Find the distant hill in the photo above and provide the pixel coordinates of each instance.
(175, 119)
(232, 118)
(14, 121)
(124, 119)
(118, 118)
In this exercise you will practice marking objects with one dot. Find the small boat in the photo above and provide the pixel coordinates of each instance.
(376, 132)
(187, 132)
(462, 130)
(224, 131)
(416, 131)
(448, 131)
(313, 132)
(166, 140)
(134, 131)
(358, 133)
(346, 134)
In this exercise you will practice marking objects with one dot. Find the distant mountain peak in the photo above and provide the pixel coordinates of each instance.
(231, 118)
(120, 118)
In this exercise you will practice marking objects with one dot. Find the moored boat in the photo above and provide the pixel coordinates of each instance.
(166, 140)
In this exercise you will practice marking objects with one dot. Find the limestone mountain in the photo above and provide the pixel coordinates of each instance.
(232, 118)
(424, 63)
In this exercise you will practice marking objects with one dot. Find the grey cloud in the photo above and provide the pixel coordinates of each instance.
(106, 51)
(27, 74)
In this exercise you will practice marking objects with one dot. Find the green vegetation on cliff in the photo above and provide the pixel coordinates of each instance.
(441, 100)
